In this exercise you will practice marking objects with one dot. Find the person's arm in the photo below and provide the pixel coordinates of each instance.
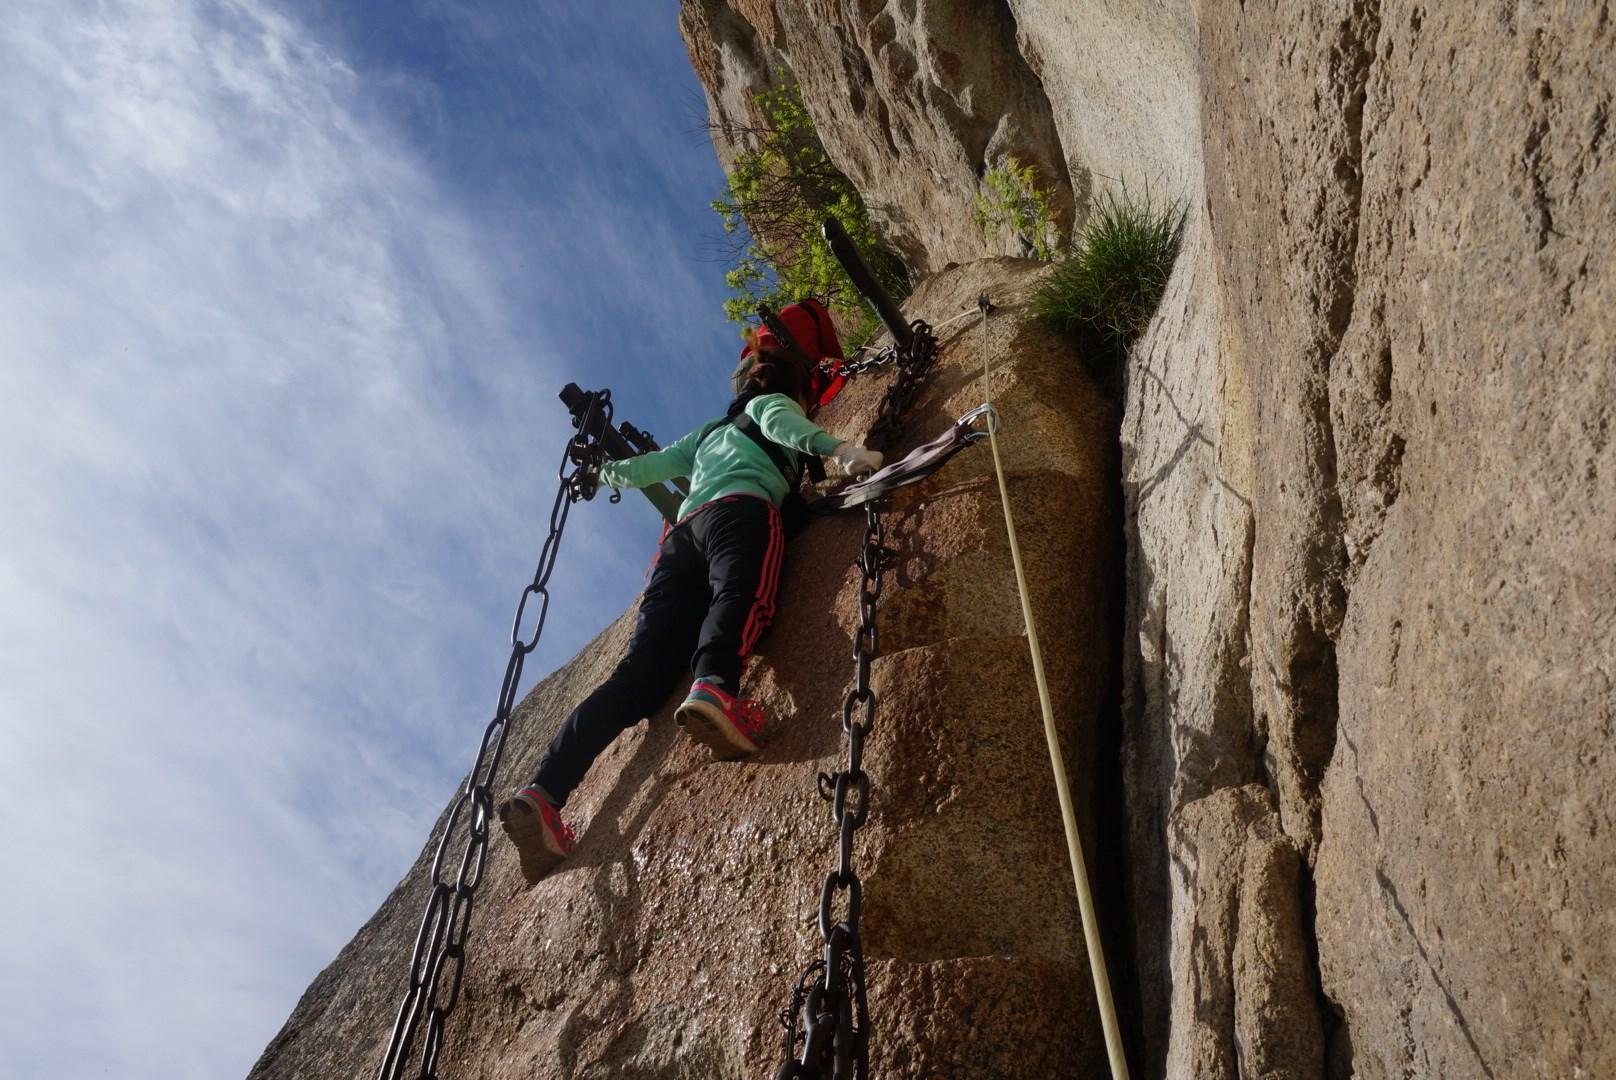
(644, 470)
(782, 420)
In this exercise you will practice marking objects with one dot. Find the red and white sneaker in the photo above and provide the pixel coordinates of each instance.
(542, 839)
(731, 726)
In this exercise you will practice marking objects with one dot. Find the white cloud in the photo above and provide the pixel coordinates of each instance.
(276, 463)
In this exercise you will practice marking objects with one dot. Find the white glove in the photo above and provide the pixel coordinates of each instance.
(855, 460)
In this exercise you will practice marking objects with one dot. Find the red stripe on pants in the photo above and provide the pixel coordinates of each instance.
(762, 613)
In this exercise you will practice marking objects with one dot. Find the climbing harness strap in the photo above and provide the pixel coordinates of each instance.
(438, 961)
(1074, 844)
(788, 461)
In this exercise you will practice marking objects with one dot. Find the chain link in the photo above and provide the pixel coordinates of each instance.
(440, 943)
(914, 366)
(869, 362)
(829, 1012)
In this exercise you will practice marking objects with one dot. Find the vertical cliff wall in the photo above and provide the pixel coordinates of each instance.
(941, 87)
(1351, 806)
(1369, 502)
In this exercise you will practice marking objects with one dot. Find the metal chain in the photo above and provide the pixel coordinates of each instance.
(440, 944)
(829, 1013)
(834, 1010)
(860, 365)
(914, 365)
(864, 364)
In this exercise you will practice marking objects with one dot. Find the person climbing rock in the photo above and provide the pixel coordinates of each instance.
(710, 597)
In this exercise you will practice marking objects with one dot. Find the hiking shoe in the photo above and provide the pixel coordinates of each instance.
(732, 727)
(542, 839)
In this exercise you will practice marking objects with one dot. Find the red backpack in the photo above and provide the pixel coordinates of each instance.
(810, 335)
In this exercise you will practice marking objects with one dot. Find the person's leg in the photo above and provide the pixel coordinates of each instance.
(664, 635)
(743, 542)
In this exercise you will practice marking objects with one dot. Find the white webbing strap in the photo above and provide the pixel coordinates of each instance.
(1074, 844)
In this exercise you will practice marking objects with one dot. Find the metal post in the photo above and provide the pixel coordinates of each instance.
(617, 447)
(841, 245)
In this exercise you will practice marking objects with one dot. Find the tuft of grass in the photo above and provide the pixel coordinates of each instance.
(1105, 289)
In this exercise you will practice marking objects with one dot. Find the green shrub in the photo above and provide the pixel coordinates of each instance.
(1014, 200)
(1106, 287)
(775, 199)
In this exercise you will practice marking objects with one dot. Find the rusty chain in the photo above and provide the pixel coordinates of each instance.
(914, 366)
(440, 944)
(880, 358)
(829, 1012)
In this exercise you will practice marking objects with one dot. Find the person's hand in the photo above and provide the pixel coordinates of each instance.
(586, 482)
(855, 460)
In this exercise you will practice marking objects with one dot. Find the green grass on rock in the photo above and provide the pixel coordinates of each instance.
(1105, 289)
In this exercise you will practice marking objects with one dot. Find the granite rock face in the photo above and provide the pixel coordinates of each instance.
(1345, 743)
(941, 86)
(1465, 883)
(1411, 202)
(1244, 942)
(667, 945)
(1366, 461)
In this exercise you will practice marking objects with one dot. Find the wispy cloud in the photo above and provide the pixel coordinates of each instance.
(277, 454)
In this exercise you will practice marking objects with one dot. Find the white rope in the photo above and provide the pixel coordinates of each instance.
(967, 313)
(1074, 845)
(879, 330)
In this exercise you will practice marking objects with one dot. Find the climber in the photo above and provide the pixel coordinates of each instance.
(711, 593)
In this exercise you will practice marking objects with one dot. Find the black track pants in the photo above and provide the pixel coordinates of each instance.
(712, 595)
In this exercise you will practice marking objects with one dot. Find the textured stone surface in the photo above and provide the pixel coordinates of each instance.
(1465, 882)
(1189, 530)
(1285, 237)
(1366, 483)
(941, 87)
(1382, 371)
(667, 945)
(1255, 1012)
(1123, 87)
(1431, 376)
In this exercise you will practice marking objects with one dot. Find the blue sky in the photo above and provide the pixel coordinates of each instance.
(288, 292)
